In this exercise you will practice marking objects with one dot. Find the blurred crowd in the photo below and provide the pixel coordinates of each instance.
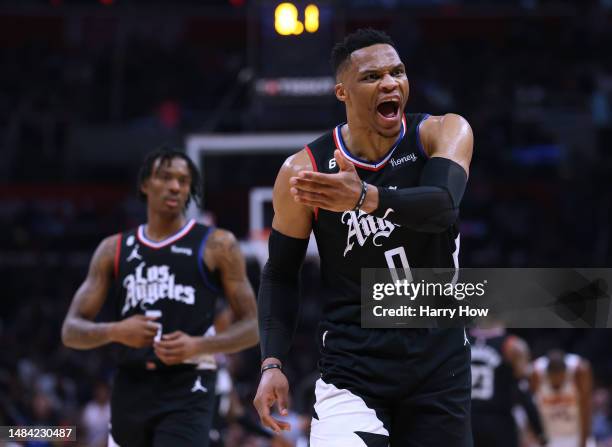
(534, 81)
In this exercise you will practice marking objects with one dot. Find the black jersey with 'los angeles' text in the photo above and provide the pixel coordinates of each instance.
(349, 241)
(168, 276)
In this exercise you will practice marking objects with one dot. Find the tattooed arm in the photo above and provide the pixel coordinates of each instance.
(223, 253)
(79, 331)
(227, 257)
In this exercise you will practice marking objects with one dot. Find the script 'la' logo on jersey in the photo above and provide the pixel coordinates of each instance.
(148, 284)
(134, 254)
(361, 226)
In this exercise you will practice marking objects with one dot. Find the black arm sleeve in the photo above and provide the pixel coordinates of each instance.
(433, 205)
(525, 400)
(278, 299)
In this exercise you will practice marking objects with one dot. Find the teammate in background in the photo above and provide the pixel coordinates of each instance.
(166, 276)
(500, 372)
(562, 384)
(381, 190)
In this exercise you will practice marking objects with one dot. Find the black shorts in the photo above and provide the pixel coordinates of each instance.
(162, 408)
(494, 429)
(397, 387)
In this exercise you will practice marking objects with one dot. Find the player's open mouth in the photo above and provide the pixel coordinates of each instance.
(388, 110)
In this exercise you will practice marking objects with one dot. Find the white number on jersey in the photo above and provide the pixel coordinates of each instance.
(483, 377)
(400, 253)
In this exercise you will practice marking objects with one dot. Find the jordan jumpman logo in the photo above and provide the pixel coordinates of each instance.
(197, 386)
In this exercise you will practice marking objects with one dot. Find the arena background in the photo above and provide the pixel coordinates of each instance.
(87, 87)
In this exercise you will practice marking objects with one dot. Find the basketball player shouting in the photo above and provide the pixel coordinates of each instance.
(380, 190)
(166, 276)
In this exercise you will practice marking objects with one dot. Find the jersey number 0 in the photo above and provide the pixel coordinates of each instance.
(398, 253)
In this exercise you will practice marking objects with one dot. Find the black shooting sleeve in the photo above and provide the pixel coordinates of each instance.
(432, 206)
(525, 400)
(278, 300)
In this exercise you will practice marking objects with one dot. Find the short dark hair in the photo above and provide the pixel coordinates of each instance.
(363, 37)
(556, 361)
(165, 154)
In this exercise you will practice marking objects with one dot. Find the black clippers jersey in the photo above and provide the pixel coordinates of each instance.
(168, 276)
(493, 382)
(349, 241)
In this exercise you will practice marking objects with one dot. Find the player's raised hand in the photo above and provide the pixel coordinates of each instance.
(273, 387)
(176, 347)
(136, 331)
(334, 192)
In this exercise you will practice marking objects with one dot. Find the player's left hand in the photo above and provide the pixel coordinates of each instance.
(333, 192)
(175, 347)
